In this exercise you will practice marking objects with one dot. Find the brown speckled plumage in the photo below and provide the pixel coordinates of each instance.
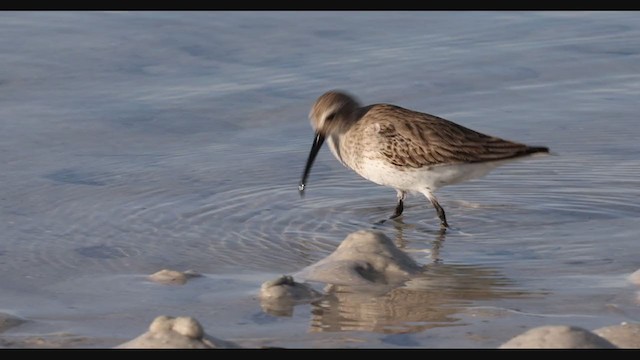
(411, 139)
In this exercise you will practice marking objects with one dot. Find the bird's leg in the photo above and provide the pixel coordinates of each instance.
(400, 207)
(439, 209)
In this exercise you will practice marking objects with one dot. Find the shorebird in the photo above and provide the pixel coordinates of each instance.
(407, 150)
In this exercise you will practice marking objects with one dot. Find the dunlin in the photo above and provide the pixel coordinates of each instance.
(404, 149)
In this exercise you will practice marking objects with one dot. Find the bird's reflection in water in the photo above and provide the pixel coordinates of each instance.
(430, 300)
(400, 241)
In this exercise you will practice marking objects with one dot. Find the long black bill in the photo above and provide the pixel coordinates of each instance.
(317, 144)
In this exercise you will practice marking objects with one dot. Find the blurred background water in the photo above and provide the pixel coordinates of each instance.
(136, 141)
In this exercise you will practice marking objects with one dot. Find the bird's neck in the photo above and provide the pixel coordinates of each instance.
(334, 141)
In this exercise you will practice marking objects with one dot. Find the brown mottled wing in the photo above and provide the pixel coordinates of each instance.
(414, 139)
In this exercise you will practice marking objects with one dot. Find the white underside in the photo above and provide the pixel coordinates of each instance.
(426, 179)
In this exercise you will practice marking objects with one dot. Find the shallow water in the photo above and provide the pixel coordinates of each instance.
(136, 141)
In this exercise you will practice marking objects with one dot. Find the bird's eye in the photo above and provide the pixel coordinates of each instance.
(330, 116)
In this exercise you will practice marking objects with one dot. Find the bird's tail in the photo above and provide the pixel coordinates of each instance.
(535, 149)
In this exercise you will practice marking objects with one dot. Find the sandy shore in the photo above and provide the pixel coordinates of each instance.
(367, 265)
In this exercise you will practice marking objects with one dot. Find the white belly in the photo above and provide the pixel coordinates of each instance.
(419, 180)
